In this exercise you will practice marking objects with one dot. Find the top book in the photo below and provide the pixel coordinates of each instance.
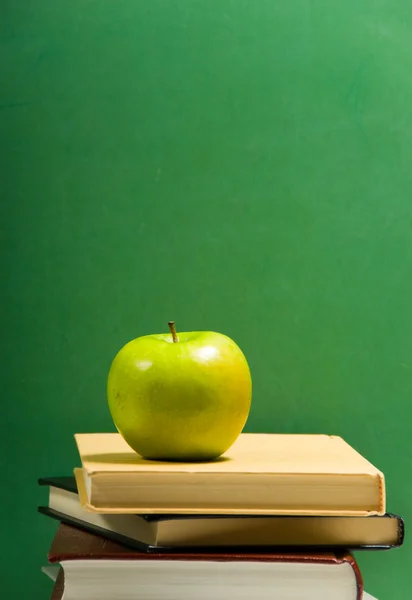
(261, 474)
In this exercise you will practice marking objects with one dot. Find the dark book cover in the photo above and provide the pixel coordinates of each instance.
(58, 589)
(71, 543)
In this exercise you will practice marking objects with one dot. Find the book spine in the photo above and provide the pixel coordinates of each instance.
(58, 589)
(358, 575)
(401, 531)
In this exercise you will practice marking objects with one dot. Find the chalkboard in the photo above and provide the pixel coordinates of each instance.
(235, 165)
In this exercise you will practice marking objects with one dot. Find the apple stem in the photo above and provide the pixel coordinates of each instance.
(173, 331)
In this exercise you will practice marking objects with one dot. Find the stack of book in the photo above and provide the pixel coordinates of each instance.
(277, 517)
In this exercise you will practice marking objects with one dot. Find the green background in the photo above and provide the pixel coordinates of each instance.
(240, 166)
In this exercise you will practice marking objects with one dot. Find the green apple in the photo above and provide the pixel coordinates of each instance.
(180, 397)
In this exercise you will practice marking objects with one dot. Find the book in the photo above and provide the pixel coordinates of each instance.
(52, 571)
(97, 568)
(196, 532)
(58, 590)
(260, 474)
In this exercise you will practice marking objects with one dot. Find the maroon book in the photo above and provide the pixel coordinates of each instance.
(93, 566)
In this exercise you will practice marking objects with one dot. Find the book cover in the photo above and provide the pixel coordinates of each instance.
(71, 546)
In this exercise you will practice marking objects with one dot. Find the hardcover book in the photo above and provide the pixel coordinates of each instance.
(260, 474)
